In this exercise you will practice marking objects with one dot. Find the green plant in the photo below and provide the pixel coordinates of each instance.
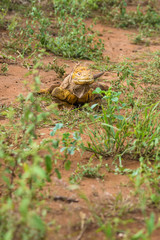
(150, 73)
(109, 137)
(88, 170)
(139, 39)
(117, 135)
(4, 6)
(69, 144)
(25, 170)
(60, 70)
(21, 222)
(4, 68)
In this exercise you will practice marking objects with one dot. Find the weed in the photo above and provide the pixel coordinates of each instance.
(23, 171)
(69, 144)
(139, 39)
(151, 72)
(88, 170)
(116, 135)
(71, 7)
(4, 6)
(149, 19)
(22, 223)
(60, 70)
(4, 68)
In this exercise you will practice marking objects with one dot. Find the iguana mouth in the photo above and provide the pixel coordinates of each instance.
(83, 81)
(87, 81)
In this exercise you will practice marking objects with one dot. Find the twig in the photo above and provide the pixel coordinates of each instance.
(81, 233)
(65, 199)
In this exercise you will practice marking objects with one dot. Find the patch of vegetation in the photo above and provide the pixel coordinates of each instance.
(4, 69)
(71, 7)
(140, 40)
(88, 170)
(24, 170)
(4, 6)
(75, 40)
(150, 74)
(115, 215)
(22, 173)
(149, 19)
(117, 12)
(135, 133)
(60, 70)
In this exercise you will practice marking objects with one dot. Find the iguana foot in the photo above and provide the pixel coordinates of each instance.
(62, 104)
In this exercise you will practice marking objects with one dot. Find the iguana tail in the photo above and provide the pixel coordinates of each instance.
(98, 75)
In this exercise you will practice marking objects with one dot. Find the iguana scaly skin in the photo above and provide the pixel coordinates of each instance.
(76, 88)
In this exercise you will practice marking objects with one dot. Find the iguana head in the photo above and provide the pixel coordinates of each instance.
(82, 75)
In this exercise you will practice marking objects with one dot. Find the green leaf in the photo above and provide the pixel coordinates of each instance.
(115, 99)
(57, 127)
(71, 150)
(55, 143)
(2, 154)
(76, 136)
(6, 179)
(151, 223)
(29, 97)
(109, 230)
(48, 163)
(110, 126)
(58, 173)
(97, 90)
(37, 79)
(138, 235)
(67, 165)
(36, 222)
(119, 117)
(42, 116)
(8, 235)
(63, 149)
(30, 128)
(23, 208)
(39, 172)
(94, 105)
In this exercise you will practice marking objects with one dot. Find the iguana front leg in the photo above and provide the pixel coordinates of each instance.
(50, 89)
(64, 95)
(88, 97)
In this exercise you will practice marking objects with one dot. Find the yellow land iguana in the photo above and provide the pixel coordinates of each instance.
(77, 87)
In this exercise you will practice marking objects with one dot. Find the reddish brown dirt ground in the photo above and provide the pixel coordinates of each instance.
(69, 216)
